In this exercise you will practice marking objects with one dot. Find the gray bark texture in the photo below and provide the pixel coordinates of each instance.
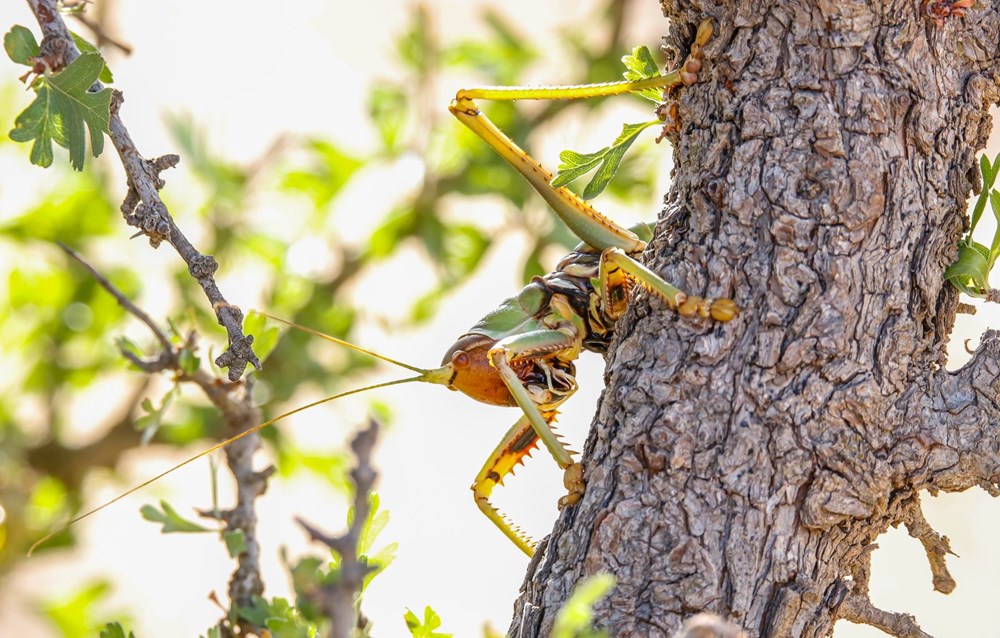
(822, 172)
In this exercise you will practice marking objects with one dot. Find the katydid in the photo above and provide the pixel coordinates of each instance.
(522, 353)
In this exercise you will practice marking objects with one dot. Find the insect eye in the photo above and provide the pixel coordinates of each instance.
(460, 359)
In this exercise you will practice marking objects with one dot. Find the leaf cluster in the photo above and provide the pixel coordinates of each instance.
(971, 271)
(638, 66)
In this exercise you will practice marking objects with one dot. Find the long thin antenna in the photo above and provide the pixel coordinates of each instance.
(219, 446)
(341, 342)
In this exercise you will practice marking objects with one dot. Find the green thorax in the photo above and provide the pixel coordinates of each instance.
(516, 315)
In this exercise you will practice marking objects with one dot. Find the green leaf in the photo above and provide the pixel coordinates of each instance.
(86, 47)
(265, 338)
(995, 244)
(20, 45)
(150, 422)
(374, 524)
(172, 521)
(426, 628)
(641, 66)
(236, 542)
(575, 165)
(125, 344)
(115, 630)
(62, 107)
(188, 361)
(987, 170)
(575, 616)
(379, 561)
(607, 160)
(281, 619)
(970, 272)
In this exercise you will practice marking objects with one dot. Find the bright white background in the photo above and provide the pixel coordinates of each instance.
(248, 72)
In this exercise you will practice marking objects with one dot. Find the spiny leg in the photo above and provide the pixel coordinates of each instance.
(540, 408)
(589, 225)
(616, 265)
(516, 445)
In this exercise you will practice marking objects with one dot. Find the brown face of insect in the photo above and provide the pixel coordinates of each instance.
(473, 374)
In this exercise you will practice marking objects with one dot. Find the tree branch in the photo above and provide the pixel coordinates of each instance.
(856, 608)
(239, 413)
(956, 444)
(142, 207)
(337, 599)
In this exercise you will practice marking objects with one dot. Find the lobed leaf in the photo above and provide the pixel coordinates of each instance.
(63, 109)
(150, 422)
(172, 521)
(426, 628)
(607, 161)
(641, 66)
(280, 618)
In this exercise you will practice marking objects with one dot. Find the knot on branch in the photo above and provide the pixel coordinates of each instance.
(159, 164)
(237, 356)
(117, 99)
(150, 219)
(202, 266)
(52, 53)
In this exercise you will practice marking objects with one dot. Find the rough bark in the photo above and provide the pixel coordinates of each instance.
(746, 469)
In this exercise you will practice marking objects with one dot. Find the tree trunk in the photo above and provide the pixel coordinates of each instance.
(746, 468)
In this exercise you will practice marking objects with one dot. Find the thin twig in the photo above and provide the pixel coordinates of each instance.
(337, 599)
(142, 207)
(235, 404)
(122, 300)
(101, 34)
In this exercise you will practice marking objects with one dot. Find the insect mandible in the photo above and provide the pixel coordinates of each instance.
(522, 353)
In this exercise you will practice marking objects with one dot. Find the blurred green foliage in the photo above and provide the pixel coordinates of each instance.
(424, 628)
(61, 329)
(575, 618)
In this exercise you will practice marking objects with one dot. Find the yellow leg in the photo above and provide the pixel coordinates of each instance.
(589, 225)
(614, 261)
(513, 449)
(541, 344)
(533, 345)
